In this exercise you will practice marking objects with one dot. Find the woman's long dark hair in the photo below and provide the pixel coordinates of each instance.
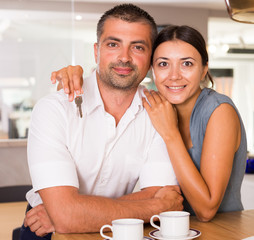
(186, 34)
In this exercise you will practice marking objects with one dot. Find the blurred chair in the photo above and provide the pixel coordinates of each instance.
(14, 194)
(16, 233)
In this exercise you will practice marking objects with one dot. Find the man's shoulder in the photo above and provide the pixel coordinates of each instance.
(54, 98)
(55, 102)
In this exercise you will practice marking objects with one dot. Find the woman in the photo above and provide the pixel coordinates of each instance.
(202, 129)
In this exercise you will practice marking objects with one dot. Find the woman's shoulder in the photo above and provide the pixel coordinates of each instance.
(207, 102)
(211, 96)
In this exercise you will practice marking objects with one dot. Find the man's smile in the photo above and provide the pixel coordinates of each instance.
(122, 70)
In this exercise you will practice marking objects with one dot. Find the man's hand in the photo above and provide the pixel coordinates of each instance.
(171, 195)
(141, 205)
(70, 79)
(38, 221)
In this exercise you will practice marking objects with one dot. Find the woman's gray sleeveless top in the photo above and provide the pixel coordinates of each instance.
(206, 103)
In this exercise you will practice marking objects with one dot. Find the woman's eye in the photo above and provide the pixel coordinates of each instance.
(187, 63)
(163, 64)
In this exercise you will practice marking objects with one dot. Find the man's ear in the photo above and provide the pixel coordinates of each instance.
(95, 47)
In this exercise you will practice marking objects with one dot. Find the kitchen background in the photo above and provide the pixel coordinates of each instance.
(38, 37)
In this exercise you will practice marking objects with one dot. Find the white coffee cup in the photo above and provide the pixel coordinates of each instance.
(125, 229)
(173, 223)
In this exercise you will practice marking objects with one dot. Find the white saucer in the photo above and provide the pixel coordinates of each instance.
(145, 238)
(192, 234)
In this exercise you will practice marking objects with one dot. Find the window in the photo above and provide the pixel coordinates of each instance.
(32, 45)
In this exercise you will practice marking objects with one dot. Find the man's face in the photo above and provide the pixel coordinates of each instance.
(123, 53)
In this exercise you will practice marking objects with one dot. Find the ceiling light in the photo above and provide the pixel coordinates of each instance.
(212, 48)
(225, 48)
(78, 17)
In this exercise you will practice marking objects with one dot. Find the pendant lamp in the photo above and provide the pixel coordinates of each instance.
(241, 10)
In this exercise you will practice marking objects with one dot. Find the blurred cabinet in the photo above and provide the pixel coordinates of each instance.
(247, 191)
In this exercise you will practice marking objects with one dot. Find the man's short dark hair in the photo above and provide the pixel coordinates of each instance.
(129, 13)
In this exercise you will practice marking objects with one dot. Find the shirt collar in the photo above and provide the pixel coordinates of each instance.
(137, 105)
(92, 96)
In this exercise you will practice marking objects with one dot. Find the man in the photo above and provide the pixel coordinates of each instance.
(84, 169)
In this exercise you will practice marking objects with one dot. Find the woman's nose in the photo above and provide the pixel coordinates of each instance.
(174, 73)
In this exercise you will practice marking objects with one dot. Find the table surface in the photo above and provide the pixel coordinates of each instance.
(230, 226)
(11, 216)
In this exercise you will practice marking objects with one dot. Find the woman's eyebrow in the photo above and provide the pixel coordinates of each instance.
(185, 58)
(165, 58)
(161, 58)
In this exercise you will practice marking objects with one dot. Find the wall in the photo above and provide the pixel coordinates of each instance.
(162, 14)
(247, 191)
(243, 87)
(13, 163)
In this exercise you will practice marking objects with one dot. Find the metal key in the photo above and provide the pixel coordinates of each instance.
(78, 101)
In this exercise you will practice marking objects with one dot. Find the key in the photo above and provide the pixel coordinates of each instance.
(78, 101)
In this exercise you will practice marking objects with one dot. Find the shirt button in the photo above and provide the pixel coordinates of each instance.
(103, 180)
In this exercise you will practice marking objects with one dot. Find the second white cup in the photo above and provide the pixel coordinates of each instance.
(125, 229)
(172, 223)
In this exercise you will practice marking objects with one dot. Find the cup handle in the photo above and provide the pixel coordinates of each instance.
(103, 235)
(152, 223)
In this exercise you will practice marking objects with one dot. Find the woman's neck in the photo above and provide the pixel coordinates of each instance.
(184, 112)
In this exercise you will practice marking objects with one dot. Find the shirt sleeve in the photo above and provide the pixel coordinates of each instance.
(158, 170)
(50, 162)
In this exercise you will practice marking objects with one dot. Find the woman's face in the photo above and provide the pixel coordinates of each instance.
(178, 70)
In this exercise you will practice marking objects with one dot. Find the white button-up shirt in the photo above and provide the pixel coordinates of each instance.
(91, 153)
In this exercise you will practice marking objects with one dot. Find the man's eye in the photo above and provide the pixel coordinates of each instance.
(140, 48)
(112, 44)
(163, 64)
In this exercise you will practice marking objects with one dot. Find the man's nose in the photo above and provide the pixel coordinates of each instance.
(125, 55)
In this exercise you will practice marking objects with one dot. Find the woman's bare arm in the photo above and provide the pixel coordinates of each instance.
(204, 190)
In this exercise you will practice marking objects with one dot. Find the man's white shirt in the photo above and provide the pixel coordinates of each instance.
(91, 153)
